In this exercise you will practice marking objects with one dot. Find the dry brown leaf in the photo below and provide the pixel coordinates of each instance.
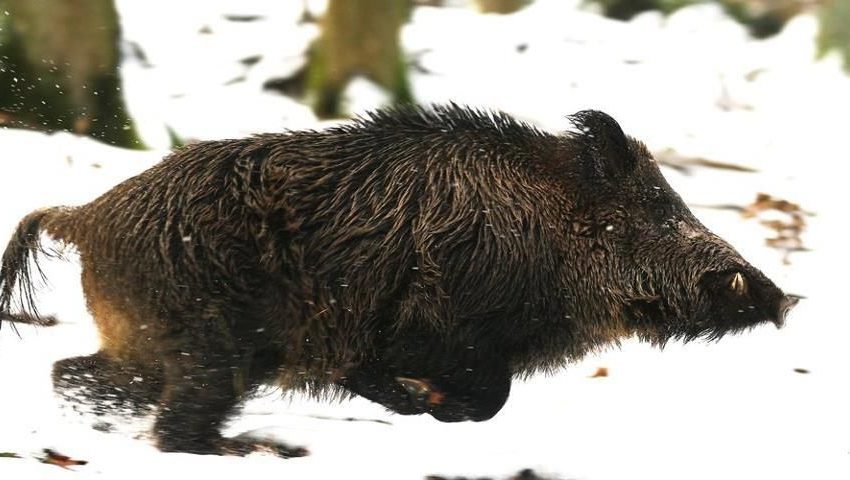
(788, 230)
(685, 164)
(55, 458)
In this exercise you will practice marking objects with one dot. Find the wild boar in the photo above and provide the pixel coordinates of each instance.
(421, 257)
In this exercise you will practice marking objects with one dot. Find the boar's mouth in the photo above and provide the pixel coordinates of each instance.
(724, 302)
(651, 319)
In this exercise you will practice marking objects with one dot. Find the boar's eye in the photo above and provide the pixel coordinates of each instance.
(605, 148)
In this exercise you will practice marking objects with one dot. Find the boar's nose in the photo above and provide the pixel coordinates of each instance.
(785, 305)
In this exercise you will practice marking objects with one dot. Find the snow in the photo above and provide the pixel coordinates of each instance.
(693, 82)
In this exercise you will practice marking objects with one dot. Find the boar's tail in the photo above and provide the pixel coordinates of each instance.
(17, 265)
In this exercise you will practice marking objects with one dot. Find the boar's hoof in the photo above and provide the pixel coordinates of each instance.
(451, 404)
(236, 446)
(241, 446)
(422, 393)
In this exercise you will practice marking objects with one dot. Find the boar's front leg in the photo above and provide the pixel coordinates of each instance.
(204, 382)
(454, 390)
(466, 393)
(380, 385)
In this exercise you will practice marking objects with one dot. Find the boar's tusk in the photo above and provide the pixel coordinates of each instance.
(739, 285)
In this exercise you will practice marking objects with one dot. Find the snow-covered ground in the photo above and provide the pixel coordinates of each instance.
(693, 82)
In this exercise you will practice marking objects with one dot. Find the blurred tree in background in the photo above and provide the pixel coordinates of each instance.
(59, 59)
(501, 6)
(358, 37)
(835, 29)
(59, 69)
(763, 18)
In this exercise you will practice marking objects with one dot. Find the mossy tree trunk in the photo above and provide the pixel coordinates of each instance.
(59, 69)
(501, 6)
(835, 29)
(358, 37)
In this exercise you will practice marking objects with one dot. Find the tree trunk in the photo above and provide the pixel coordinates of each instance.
(359, 37)
(835, 29)
(501, 6)
(59, 69)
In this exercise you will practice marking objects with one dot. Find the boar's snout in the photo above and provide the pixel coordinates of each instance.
(742, 298)
(785, 305)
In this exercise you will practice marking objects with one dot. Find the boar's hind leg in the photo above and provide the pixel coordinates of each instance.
(198, 396)
(203, 385)
(107, 385)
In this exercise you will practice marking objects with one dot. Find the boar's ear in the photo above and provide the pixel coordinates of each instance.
(605, 148)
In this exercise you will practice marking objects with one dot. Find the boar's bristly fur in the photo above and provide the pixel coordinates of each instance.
(420, 257)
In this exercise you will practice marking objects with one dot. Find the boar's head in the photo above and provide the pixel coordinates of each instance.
(641, 255)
